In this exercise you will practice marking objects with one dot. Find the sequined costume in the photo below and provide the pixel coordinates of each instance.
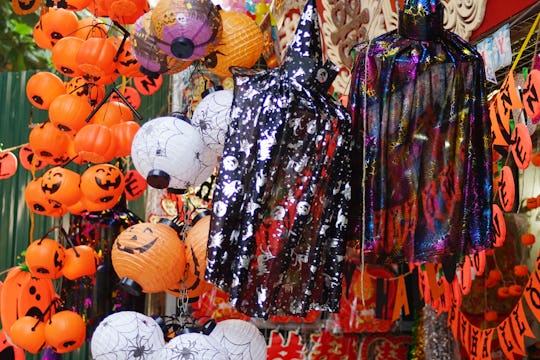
(422, 173)
(280, 206)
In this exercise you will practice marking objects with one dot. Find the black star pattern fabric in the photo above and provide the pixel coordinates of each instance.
(280, 204)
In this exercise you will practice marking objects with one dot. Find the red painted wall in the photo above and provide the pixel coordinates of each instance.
(498, 12)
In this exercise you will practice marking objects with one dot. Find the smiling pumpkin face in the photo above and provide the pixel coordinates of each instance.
(102, 183)
(62, 185)
(151, 255)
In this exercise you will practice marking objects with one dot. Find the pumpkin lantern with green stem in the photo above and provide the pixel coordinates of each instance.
(103, 183)
(149, 257)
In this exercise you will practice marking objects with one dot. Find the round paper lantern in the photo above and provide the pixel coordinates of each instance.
(38, 202)
(65, 332)
(149, 54)
(124, 133)
(62, 185)
(8, 164)
(507, 189)
(91, 27)
(167, 150)
(94, 143)
(68, 112)
(196, 247)
(49, 143)
(194, 346)
(112, 113)
(187, 29)
(42, 88)
(522, 146)
(531, 88)
(79, 261)
(86, 89)
(64, 56)
(241, 338)
(102, 183)
(212, 118)
(241, 44)
(127, 335)
(28, 333)
(45, 258)
(148, 257)
(96, 57)
(58, 23)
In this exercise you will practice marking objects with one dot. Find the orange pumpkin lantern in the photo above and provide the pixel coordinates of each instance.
(45, 258)
(40, 38)
(42, 88)
(124, 133)
(62, 185)
(8, 164)
(103, 183)
(65, 332)
(241, 44)
(515, 290)
(96, 57)
(98, 8)
(503, 292)
(535, 159)
(196, 247)
(38, 202)
(8, 350)
(528, 239)
(491, 315)
(28, 160)
(49, 143)
(21, 7)
(127, 63)
(69, 112)
(112, 113)
(521, 270)
(91, 27)
(127, 11)
(81, 260)
(77, 5)
(64, 56)
(86, 89)
(58, 23)
(149, 257)
(531, 203)
(131, 95)
(94, 143)
(28, 333)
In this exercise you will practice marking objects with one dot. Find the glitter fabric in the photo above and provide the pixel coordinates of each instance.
(422, 162)
(277, 235)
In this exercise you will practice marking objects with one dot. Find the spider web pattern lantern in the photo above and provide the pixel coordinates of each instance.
(194, 346)
(127, 335)
(167, 151)
(212, 117)
(242, 339)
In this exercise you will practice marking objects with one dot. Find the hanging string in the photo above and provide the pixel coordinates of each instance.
(525, 43)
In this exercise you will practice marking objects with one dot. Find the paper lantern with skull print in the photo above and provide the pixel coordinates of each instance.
(126, 335)
(167, 151)
(149, 257)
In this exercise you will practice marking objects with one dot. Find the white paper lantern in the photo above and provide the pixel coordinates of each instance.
(193, 346)
(127, 335)
(212, 118)
(242, 339)
(168, 152)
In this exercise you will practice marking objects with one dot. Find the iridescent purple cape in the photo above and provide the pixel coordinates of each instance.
(280, 205)
(422, 173)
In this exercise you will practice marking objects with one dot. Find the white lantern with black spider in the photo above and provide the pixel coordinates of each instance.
(193, 346)
(127, 335)
(167, 152)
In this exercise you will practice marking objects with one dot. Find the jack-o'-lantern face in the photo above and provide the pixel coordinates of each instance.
(62, 185)
(35, 297)
(136, 240)
(28, 160)
(38, 202)
(45, 258)
(102, 183)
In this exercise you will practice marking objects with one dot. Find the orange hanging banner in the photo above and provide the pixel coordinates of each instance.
(506, 339)
(465, 275)
(474, 344)
(520, 325)
(401, 299)
(453, 320)
(457, 297)
(436, 289)
(499, 226)
(485, 343)
(509, 97)
(465, 330)
(532, 292)
(478, 260)
(500, 127)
